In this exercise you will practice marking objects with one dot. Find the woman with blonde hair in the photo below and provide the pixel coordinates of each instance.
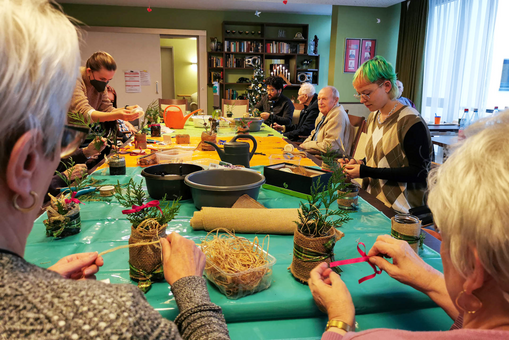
(39, 58)
(469, 199)
(399, 149)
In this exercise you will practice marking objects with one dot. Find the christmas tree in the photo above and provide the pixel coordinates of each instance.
(257, 88)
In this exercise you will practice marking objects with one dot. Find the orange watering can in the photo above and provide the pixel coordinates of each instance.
(174, 119)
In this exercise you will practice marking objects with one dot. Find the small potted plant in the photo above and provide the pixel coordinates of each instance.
(229, 110)
(148, 224)
(316, 233)
(210, 135)
(349, 193)
(153, 116)
(64, 211)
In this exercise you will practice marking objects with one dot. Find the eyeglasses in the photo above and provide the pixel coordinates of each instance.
(366, 96)
(72, 137)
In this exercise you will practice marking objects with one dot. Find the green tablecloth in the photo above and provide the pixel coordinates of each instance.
(193, 131)
(382, 298)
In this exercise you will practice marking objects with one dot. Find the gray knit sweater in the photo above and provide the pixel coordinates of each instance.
(36, 303)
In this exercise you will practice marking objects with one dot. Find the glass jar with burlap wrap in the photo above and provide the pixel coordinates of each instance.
(408, 228)
(308, 252)
(58, 225)
(145, 261)
(349, 197)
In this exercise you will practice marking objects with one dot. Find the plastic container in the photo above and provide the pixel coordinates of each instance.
(254, 124)
(206, 163)
(223, 187)
(168, 179)
(201, 121)
(175, 155)
(237, 285)
(285, 158)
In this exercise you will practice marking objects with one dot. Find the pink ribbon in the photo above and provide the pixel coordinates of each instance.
(135, 208)
(73, 199)
(364, 258)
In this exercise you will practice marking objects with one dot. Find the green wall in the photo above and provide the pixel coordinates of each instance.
(361, 22)
(184, 53)
(123, 16)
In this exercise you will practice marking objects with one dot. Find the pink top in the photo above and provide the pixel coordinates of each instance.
(394, 334)
(456, 333)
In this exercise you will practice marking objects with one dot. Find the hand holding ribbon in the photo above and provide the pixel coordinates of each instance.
(136, 209)
(364, 258)
(73, 199)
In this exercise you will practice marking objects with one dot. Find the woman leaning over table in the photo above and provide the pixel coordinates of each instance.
(469, 199)
(399, 149)
(39, 58)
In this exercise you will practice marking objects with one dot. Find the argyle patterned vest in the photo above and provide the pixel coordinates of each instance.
(384, 149)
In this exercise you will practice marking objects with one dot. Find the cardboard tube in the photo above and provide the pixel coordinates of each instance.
(247, 220)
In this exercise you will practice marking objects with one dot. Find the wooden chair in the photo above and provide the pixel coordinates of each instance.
(240, 108)
(296, 113)
(359, 124)
(182, 103)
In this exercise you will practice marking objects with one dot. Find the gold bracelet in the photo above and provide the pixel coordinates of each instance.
(339, 324)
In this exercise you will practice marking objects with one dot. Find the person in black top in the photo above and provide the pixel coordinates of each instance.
(275, 107)
(298, 132)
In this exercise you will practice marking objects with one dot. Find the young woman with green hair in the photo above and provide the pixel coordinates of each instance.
(399, 148)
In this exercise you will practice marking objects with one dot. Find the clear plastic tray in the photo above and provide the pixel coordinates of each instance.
(237, 285)
(175, 155)
(284, 158)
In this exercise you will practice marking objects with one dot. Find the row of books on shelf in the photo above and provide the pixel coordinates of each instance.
(281, 47)
(231, 61)
(216, 76)
(215, 61)
(232, 94)
(243, 46)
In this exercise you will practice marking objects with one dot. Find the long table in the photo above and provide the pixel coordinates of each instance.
(286, 309)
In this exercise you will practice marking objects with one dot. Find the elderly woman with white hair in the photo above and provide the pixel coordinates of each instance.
(39, 58)
(469, 199)
(308, 97)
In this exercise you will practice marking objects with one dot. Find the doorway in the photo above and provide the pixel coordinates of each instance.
(167, 72)
(185, 68)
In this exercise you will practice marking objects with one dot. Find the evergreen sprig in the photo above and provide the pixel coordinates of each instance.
(79, 182)
(135, 195)
(317, 216)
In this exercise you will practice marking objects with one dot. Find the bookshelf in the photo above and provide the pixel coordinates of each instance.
(272, 44)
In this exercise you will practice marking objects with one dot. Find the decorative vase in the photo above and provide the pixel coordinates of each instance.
(308, 252)
(155, 130)
(63, 225)
(408, 228)
(213, 44)
(205, 136)
(145, 262)
(349, 197)
(140, 141)
(117, 166)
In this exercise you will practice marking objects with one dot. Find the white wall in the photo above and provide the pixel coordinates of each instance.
(131, 52)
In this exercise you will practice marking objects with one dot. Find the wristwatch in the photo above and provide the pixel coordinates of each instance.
(339, 324)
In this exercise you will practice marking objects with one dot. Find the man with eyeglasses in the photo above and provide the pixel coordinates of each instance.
(275, 107)
(332, 127)
(298, 132)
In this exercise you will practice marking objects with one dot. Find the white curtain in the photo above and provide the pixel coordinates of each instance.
(459, 44)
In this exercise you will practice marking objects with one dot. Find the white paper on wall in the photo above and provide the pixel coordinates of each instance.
(132, 81)
(145, 78)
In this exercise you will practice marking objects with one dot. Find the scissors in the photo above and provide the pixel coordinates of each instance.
(83, 191)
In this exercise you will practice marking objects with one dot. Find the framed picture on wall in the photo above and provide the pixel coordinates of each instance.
(368, 47)
(352, 50)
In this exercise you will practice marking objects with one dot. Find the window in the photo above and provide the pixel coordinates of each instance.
(459, 45)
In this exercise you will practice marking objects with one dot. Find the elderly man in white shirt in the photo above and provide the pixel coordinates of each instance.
(332, 127)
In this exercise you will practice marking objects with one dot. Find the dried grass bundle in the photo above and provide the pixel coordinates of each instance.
(237, 266)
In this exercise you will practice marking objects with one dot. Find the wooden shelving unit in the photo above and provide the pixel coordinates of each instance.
(236, 47)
